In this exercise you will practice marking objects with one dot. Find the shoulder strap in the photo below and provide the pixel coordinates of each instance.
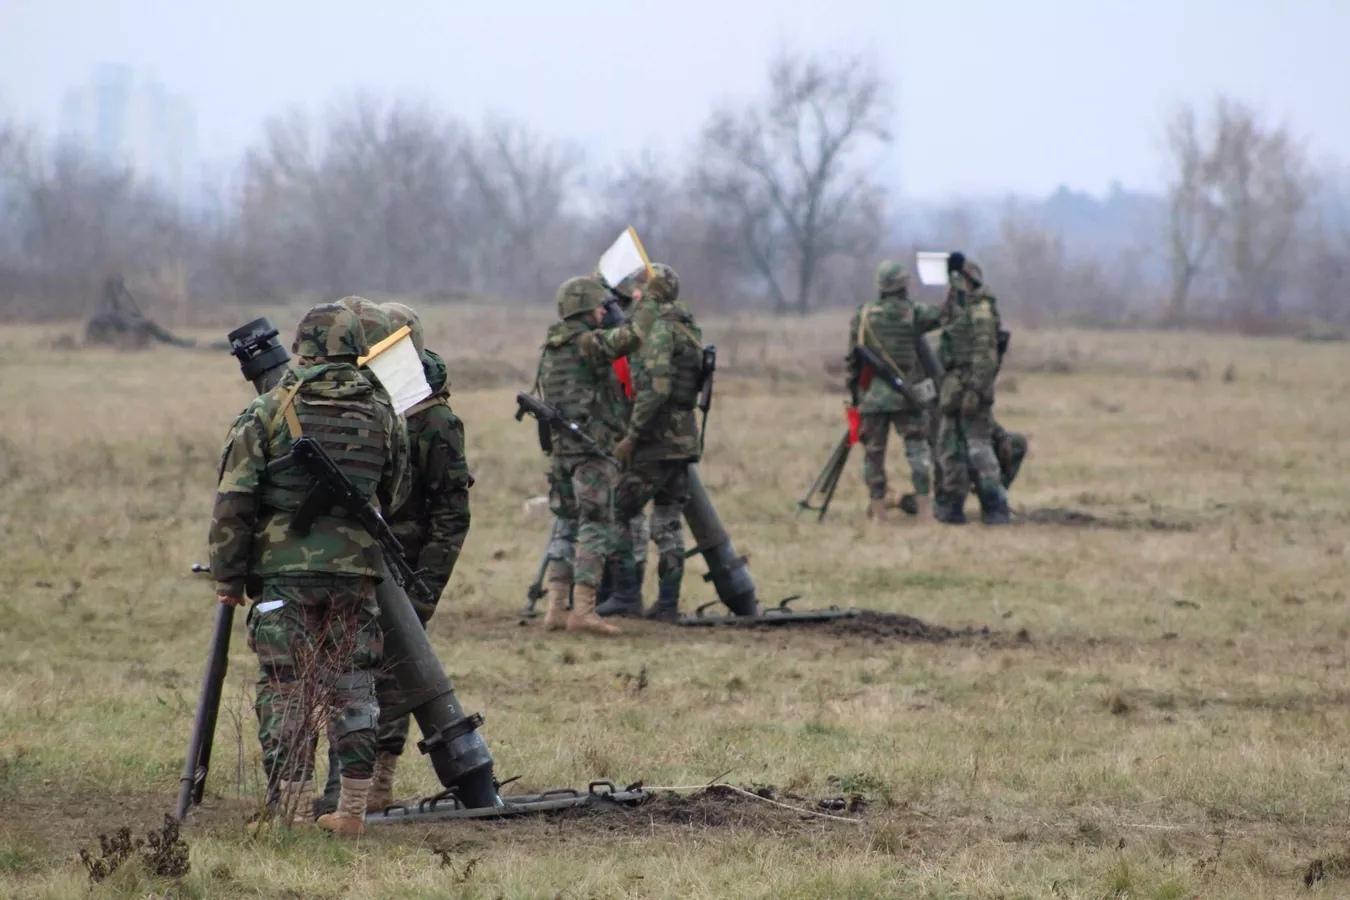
(433, 400)
(287, 409)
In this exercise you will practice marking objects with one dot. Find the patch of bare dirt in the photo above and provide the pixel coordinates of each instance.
(718, 806)
(64, 824)
(900, 627)
(1076, 518)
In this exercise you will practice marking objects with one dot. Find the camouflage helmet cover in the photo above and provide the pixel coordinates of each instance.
(374, 318)
(892, 278)
(401, 314)
(973, 274)
(329, 330)
(578, 296)
(663, 285)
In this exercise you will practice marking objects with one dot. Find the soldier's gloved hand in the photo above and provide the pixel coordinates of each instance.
(229, 599)
(623, 451)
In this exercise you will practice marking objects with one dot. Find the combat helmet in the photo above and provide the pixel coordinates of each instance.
(401, 314)
(374, 318)
(974, 274)
(892, 279)
(578, 296)
(663, 285)
(329, 331)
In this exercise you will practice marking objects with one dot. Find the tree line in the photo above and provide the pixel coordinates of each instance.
(778, 203)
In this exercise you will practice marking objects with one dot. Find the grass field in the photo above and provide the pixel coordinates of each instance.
(1171, 723)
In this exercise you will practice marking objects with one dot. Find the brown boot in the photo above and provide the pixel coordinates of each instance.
(381, 793)
(583, 616)
(876, 509)
(349, 818)
(555, 619)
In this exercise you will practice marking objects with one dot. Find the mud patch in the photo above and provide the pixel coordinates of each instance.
(719, 806)
(1076, 518)
(899, 627)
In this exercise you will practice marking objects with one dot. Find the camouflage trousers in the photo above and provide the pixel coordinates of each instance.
(913, 427)
(664, 484)
(966, 453)
(582, 496)
(319, 646)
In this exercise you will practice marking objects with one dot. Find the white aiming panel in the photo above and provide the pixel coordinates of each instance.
(396, 363)
(624, 257)
(932, 268)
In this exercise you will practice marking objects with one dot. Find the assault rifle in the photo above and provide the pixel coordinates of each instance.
(707, 374)
(868, 365)
(332, 488)
(871, 365)
(548, 415)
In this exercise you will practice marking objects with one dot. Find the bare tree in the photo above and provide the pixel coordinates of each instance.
(1237, 196)
(782, 175)
(1193, 211)
(1262, 179)
(521, 182)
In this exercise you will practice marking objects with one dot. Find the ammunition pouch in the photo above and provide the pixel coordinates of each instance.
(687, 377)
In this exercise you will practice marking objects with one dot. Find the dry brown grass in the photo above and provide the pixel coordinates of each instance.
(1175, 726)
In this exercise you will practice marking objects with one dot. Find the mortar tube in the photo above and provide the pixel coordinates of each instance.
(727, 571)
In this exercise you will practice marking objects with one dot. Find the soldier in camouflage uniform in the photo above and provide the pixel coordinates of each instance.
(576, 377)
(315, 623)
(432, 525)
(969, 353)
(662, 438)
(625, 570)
(890, 326)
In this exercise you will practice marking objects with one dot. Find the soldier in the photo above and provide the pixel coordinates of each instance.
(661, 440)
(432, 525)
(576, 377)
(314, 624)
(626, 569)
(890, 326)
(969, 351)
(376, 325)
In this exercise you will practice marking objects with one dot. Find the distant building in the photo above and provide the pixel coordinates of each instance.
(130, 120)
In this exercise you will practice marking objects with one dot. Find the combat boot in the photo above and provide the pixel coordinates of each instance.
(667, 605)
(994, 507)
(381, 794)
(583, 617)
(948, 510)
(349, 819)
(626, 597)
(876, 510)
(555, 619)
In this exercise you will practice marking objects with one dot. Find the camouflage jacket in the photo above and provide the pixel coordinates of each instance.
(969, 345)
(891, 327)
(434, 522)
(666, 374)
(577, 377)
(250, 536)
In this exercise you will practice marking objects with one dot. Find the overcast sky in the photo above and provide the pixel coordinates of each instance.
(990, 96)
